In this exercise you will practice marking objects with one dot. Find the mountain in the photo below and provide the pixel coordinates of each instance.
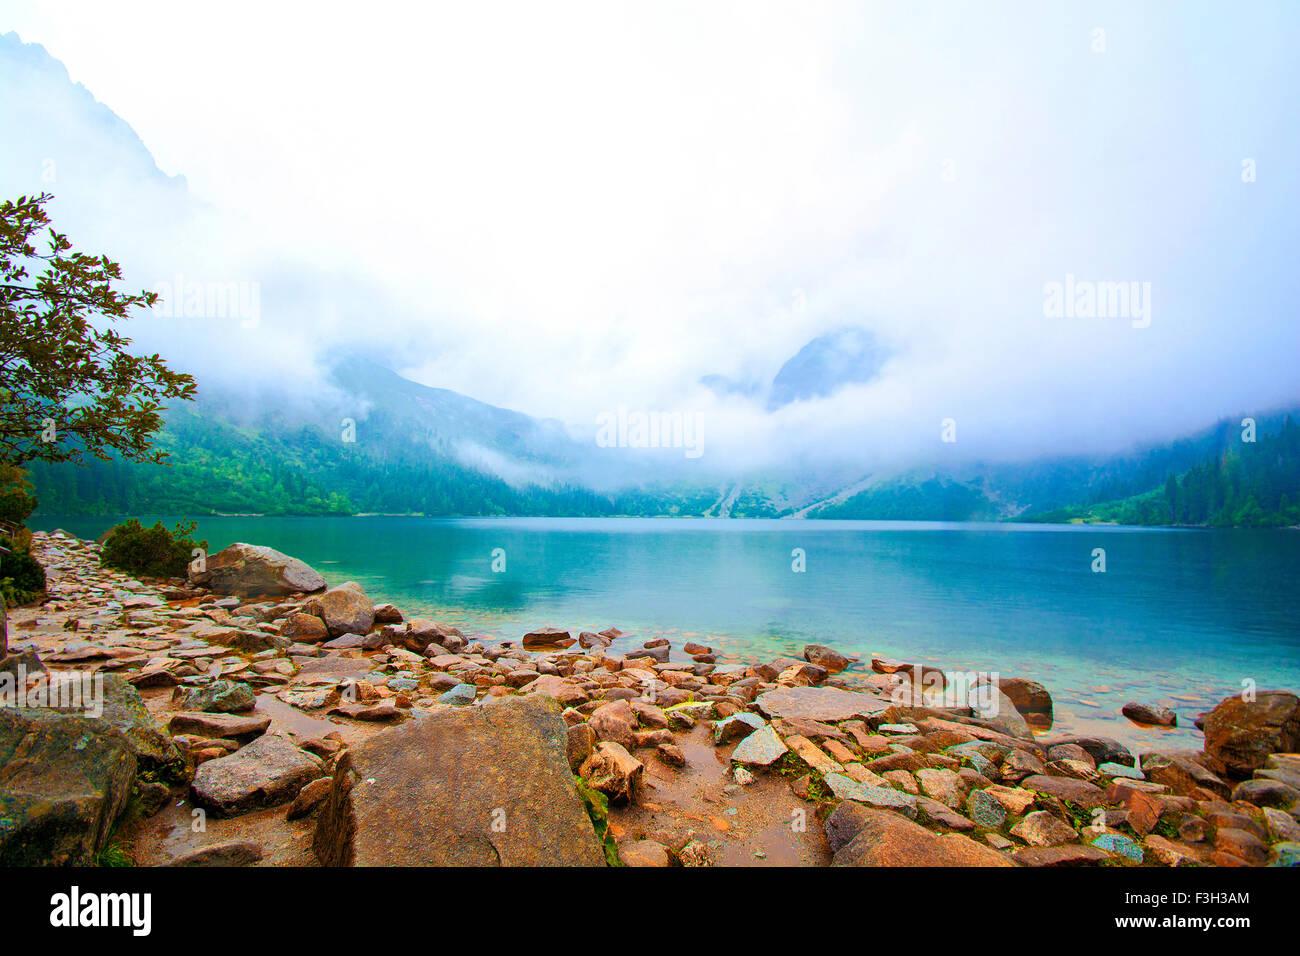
(377, 442)
(56, 137)
(823, 366)
(368, 442)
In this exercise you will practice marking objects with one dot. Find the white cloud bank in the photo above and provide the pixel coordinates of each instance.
(566, 208)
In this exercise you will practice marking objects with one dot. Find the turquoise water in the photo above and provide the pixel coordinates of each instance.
(1180, 617)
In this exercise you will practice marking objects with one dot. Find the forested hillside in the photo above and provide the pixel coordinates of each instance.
(1244, 484)
(277, 463)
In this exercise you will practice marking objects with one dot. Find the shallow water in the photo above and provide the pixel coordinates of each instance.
(1179, 617)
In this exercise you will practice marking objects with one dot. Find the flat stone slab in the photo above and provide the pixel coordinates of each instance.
(332, 666)
(846, 788)
(1067, 854)
(218, 725)
(762, 747)
(820, 703)
(473, 786)
(268, 772)
(1066, 788)
(870, 837)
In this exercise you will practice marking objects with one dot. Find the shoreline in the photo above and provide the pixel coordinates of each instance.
(697, 762)
(53, 519)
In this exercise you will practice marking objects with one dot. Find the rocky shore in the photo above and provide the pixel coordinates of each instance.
(253, 715)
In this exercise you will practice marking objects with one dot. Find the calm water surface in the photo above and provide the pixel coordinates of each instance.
(1180, 617)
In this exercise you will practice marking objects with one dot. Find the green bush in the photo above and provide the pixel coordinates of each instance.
(22, 579)
(155, 552)
(16, 502)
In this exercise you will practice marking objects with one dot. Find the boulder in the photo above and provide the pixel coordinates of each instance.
(20, 664)
(346, 610)
(1003, 716)
(846, 788)
(614, 772)
(420, 633)
(1263, 792)
(309, 798)
(1065, 854)
(64, 781)
(1244, 733)
(884, 838)
(304, 628)
(614, 721)
(266, 773)
(763, 747)
(1078, 792)
(387, 614)
(251, 569)
(1042, 828)
(581, 741)
(1028, 697)
(736, 727)
(1181, 774)
(121, 708)
(825, 657)
(569, 695)
(473, 787)
(460, 695)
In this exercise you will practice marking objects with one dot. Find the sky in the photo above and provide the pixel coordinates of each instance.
(564, 208)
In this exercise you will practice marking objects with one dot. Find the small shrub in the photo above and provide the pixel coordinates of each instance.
(22, 579)
(154, 552)
(114, 855)
(16, 501)
(597, 805)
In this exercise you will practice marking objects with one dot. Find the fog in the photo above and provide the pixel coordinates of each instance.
(565, 209)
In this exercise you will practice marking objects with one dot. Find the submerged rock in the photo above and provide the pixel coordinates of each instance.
(548, 637)
(1152, 714)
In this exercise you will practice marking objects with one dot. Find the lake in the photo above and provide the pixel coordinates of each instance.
(1179, 617)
